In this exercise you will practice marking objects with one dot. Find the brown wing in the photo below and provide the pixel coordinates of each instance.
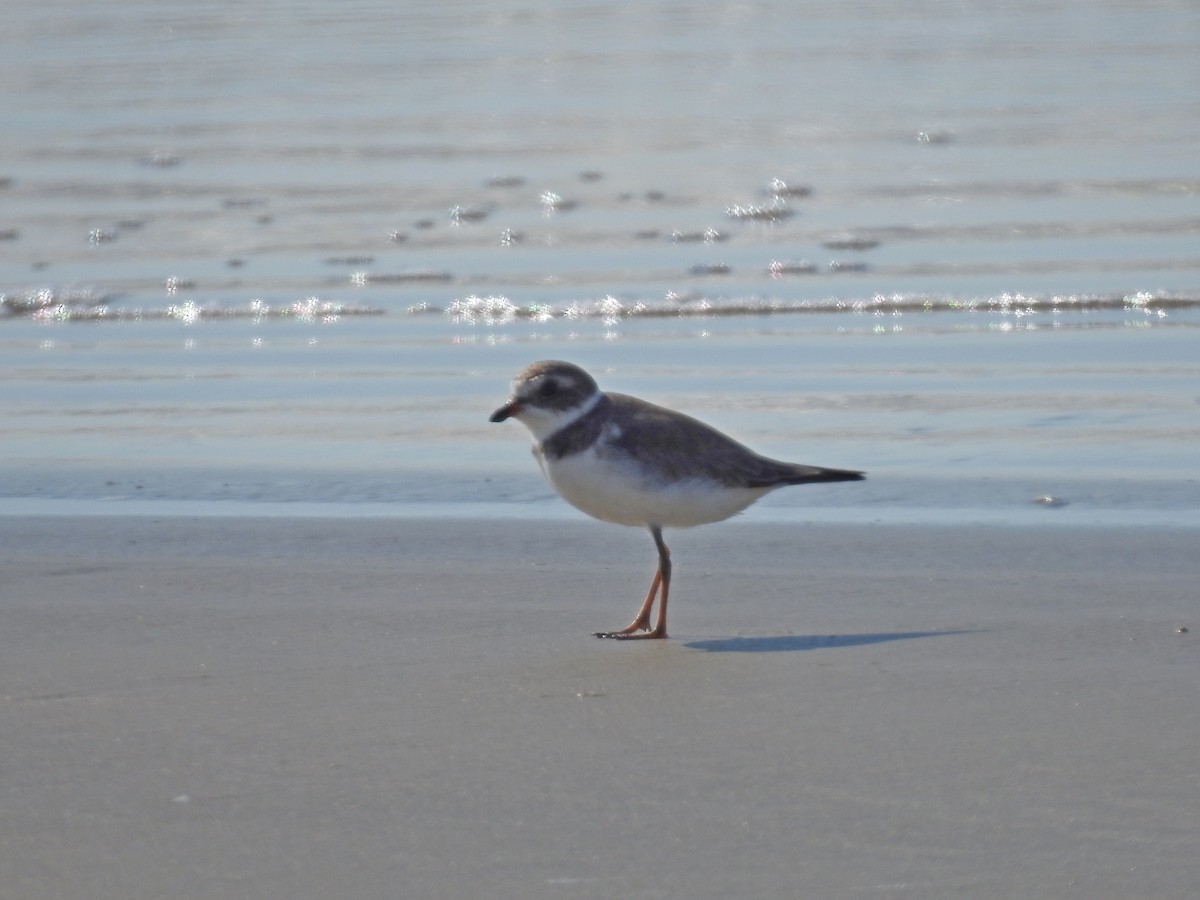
(680, 447)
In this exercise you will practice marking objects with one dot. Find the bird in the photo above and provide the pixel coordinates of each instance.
(630, 462)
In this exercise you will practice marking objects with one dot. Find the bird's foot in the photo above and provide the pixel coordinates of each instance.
(638, 634)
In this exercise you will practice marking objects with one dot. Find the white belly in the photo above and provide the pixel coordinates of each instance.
(621, 493)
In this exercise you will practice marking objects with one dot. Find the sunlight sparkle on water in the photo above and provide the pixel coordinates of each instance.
(482, 310)
(188, 312)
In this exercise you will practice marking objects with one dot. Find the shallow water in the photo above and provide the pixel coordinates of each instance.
(290, 254)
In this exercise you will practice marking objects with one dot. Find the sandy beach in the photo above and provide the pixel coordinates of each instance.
(231, 708)
(283, 616)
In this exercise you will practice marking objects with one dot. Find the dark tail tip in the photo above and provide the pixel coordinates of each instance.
(844, 475)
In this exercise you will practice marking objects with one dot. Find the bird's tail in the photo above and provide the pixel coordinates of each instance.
(815, 474)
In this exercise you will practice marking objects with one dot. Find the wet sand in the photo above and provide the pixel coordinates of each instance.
(230, 708)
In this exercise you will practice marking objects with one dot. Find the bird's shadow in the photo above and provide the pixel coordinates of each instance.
(795, 642)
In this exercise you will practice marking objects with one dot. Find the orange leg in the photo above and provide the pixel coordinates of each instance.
(637, 629)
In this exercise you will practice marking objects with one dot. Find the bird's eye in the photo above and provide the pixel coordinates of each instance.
(548, 389)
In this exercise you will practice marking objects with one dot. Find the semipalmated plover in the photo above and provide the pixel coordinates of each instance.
(623, 460)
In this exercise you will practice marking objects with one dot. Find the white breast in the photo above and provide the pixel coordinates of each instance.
(618, 491)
